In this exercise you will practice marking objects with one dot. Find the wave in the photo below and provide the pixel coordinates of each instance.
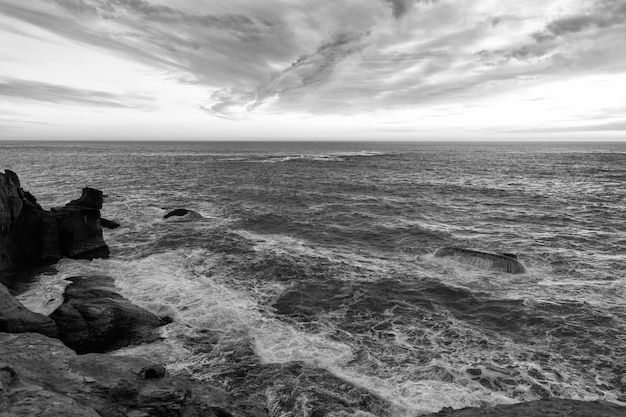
(316, 157)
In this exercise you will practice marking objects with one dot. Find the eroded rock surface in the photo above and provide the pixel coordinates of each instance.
(506, 262)
(41, 377)
(553, 407)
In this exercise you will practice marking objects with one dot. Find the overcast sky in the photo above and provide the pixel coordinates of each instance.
(327, 69)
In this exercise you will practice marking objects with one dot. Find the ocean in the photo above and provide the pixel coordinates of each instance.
(306, 277)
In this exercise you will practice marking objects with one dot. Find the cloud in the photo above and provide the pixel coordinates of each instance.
(400, 7)
(306, 72)
(558, 41)
(251, 59)
(215, 48)
(52, 93)
(231, 103)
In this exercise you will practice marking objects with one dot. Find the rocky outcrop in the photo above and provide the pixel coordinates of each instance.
(109, 224)
(15, 318)
(187, 214)
(40, 377)
(11, 197)
(80, 231)
(553, 407)
(95, 318)
(30, 235)
(492, 261)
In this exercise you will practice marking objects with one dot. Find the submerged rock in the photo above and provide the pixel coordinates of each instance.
(553, 407)
(493, 261)
(30, 235)
(15, 318)
(45, 378)
(183, 213)
(95, 318)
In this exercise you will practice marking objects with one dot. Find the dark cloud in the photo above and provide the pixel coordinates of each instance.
(307, 71)
(85, 35)
(215, 48)
(52, 93)
(558, 34)
(143, 10)
(314, 68)
(399, 8)
(604, 14)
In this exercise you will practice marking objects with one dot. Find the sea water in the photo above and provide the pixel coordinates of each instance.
(307, 279)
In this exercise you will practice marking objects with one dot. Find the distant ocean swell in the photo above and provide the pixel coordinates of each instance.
(309, 283)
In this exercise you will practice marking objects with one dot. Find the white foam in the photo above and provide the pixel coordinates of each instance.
(195, 289)
(183, 282)
(282, 244)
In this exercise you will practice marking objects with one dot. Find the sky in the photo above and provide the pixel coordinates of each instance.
(313, 69)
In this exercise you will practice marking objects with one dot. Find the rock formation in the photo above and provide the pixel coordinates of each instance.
(109, 224)
(30, 235)
(188, 214)
(553, 407)
(493, 261)
(177, 212)
(95, 318)
(15, 318)
(40, 377)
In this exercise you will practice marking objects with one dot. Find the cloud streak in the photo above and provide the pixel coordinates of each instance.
(51, 93)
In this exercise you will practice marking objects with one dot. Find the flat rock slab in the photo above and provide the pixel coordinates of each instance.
(550, 407)
(40, 377)
(95, 318)
(503, 262)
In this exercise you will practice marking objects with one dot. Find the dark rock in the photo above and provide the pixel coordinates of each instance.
(48, 379)
(95, 318)
(474, 371)
(30, 235)
(15, 318)
(11, 204)
(553, 407)
(177, 212)
(109, 224)
(493, 261)
(91, 198)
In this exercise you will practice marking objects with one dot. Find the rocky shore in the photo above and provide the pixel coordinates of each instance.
(61, 365)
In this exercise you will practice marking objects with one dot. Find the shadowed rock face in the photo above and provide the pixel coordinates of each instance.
(95, 318)
(493, 261)
(30, 235)
(15, 318)
(11, 198)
